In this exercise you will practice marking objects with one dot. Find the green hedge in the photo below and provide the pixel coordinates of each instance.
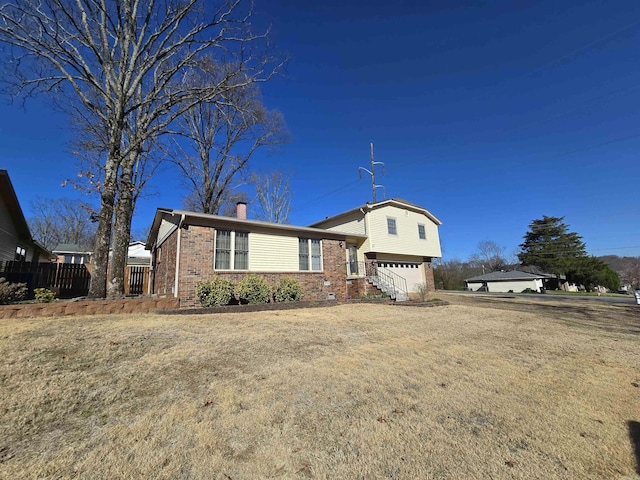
(215, 292)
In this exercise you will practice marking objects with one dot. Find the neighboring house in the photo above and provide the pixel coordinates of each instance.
(73, 253)
(511, 281)
(398, 237)
(331, 259)
(138, 254)
(16, 242)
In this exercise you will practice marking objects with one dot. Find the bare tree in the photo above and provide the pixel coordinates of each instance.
(223, 133)
(61, 220)
(273, 196)
(490, 256)
(124, 59)
(631, 272)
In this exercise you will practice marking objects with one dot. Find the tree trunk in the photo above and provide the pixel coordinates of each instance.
(121, 232)
(100, 260)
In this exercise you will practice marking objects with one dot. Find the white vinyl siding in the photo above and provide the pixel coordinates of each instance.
(273, 253)
(516, 286)
(406, 241)
(353, 223)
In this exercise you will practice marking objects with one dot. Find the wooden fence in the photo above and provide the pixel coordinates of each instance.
(68, 280)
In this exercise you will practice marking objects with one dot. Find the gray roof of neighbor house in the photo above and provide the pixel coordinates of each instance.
(72, 248)
(506, 276)
(399, 202)
(232, 222)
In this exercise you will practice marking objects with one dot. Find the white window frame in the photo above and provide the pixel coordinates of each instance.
(422, 231)
(232, 251)
(309, 255)
(395, 226)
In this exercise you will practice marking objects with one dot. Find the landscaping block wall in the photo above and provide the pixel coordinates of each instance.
(88, 307)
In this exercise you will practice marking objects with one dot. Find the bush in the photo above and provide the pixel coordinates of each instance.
(253, 289)
(215, 292)
(287, 290)
(11, 292)
(423, 291)
(44, 295)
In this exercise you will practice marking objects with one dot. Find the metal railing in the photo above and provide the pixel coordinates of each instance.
(389, 282)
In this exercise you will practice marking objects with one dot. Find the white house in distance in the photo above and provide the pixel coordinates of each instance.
(512, 281)
(397, 236)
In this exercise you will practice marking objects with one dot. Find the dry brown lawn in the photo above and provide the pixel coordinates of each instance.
(505, 389)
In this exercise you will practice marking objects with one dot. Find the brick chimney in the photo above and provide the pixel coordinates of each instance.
(241, 210)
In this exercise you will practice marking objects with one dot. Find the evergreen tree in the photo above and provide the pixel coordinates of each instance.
(549, 245)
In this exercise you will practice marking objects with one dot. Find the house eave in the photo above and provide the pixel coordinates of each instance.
(204, 219)
(372, 206)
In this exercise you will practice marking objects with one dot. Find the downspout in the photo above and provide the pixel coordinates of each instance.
(175, 287)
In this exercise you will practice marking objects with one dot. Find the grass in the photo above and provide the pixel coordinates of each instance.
(500, 390)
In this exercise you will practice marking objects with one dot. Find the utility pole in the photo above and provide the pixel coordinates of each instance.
(372, 172)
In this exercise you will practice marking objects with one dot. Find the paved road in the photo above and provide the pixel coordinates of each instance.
(627, 299)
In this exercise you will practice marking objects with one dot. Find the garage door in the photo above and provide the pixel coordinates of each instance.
(412, 272)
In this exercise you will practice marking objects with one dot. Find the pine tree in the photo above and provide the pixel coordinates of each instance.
(549, 245)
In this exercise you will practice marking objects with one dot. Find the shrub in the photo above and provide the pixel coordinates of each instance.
(44, 295)
(422, 291)
(287, 290)
(11, 292)
(253, 289)
(215, 292)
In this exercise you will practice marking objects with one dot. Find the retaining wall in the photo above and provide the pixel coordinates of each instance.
(88, 307)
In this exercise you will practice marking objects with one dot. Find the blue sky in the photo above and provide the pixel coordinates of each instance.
(489, 114)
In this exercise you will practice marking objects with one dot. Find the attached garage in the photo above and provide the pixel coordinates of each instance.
(411, 271)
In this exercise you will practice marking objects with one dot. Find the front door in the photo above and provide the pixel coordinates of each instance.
(353, 260)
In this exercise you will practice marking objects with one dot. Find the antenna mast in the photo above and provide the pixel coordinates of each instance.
(372, 172)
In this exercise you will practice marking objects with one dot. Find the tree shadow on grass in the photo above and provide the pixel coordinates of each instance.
(634, 436)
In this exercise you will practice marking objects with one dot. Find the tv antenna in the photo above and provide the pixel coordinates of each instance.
(372, 172)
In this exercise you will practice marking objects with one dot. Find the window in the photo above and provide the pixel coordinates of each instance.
(310, 253)
(241, 251)
(21, 254)
(232, 250)
(422, 234)
(223, 250)
(391, 226)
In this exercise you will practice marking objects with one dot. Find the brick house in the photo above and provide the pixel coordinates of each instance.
(189, 247)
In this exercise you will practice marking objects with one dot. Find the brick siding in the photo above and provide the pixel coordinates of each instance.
(428, 275)
(164, 271)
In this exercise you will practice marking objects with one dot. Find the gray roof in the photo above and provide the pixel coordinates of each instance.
(505, 276)
(72, 248)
